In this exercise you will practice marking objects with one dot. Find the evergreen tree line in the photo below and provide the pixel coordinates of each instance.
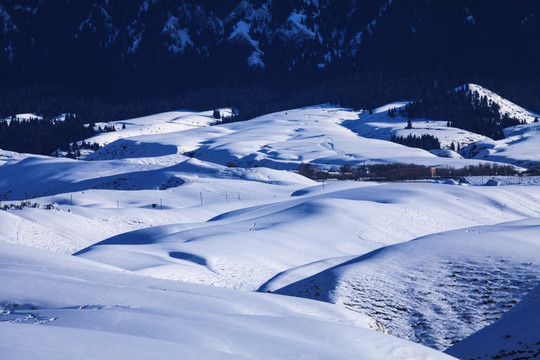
(426, 141)
(463, 109)
(258, 97)
(42, 136)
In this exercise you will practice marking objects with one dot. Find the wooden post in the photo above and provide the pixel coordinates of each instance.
(160, 204)
(200, 193)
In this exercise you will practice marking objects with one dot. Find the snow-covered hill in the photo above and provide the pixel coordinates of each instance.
(521, 147)
(515, 336)
(58, 307)
(506, 106)
(378, 124)
(438, 289)
(245, 248)
(281, 140)
(170, 198)
(163, 123)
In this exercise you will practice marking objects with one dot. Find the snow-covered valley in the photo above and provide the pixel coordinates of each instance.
(183, 237)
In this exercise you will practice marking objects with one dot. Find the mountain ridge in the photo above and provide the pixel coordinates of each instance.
(120, 39)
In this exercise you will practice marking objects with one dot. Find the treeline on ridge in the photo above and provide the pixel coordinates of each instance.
(463, 109)
(256, 96)
(42, 136)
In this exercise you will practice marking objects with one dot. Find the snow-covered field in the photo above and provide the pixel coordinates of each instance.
(160, 246)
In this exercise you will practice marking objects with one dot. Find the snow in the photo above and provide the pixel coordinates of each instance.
(256, 235)
(515, 335)
(470, 20)
(63, 307)
(299, 29)
(22, 117)
(241, 33)
(446, 153)
(8, 25)
(179, 37)
(519, 147)
(242, 29)
(379, 125)
(318, 135)
(506, 106)
(431, 295)
(162, 123)
(156, 247)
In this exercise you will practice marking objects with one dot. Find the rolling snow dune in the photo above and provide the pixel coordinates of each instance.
(59, 307)
(97, 200)
(438, 289)
(165, 201)
(163, 123)
(246, 247)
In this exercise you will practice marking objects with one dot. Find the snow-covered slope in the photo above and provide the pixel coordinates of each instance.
(506, 106)
(59, 307)
(438, 289)
(521, 147)
(163, 123)
(161, 202)
(378, 124)
(96, 200)
(281, 141)
(515, 336)
(247, 247)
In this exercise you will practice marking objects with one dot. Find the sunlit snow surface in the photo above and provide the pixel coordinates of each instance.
(58, 307)
(281, 141)
(438, 289)
(159, 204)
